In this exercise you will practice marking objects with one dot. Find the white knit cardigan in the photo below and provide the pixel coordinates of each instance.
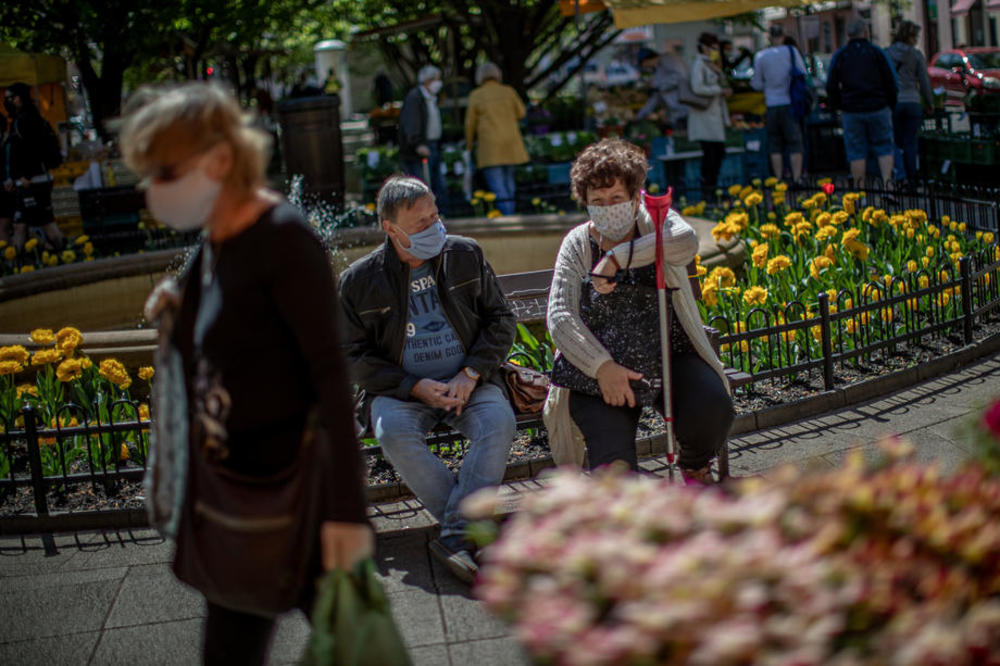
(575, 341)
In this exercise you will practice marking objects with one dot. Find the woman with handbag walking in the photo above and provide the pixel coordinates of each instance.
(603, 318)
(708, 124)
(254, 468)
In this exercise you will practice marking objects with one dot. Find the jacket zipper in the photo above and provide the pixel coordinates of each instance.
(375, 310)
(444, 309)
(462, 284)
(406, 311)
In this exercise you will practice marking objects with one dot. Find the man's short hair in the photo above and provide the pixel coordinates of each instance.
(857, 27)
(428, 72)
(776, 30)
(399, 192)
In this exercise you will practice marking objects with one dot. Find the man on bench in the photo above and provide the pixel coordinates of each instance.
(425, 328)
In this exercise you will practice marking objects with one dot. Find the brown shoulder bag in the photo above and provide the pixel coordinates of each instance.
(526, 387)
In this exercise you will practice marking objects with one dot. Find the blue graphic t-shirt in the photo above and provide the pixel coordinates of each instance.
(432, 348)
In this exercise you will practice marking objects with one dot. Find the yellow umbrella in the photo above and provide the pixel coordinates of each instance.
(631, 13)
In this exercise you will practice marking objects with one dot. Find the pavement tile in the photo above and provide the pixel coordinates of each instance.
(418, 617)
(405, 514)
(56, 604)
(466, 619)
(71, 650)
(289, 639)
(404, 563)
(119, 548)
(432, 655)
(928, 448)
(161, 644)
(495, 652)
(151, 593)
(28, 554)
(794, 443)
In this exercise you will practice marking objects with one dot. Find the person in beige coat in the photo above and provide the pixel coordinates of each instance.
(491, 123)
(708, 125)
(596, 401)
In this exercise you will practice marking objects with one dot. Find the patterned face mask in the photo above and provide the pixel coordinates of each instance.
(615, 221)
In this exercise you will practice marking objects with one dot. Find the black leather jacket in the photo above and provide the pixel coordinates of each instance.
(374, 305)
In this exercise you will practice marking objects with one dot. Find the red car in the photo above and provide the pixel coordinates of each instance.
(959, 71)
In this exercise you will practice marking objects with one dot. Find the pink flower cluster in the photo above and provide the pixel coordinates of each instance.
(894, 563)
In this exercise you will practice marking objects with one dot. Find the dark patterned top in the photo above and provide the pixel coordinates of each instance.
(626, 321)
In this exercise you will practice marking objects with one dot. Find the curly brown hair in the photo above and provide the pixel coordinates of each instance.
(602, 163)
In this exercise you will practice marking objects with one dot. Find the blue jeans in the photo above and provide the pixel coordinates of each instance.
(500, 180)
(437, 182)
(487, 421)
(868, 132)
(906, 125)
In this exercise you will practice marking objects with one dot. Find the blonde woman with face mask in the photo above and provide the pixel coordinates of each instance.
(603, 318)
(249, 372)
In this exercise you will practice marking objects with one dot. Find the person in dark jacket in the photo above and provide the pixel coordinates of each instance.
(26, 175)
(260, 369)
(420, 134)
(426, 328)
(914, 88)
(862, 84)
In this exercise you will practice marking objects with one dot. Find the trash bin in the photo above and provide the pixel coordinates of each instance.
(311, 145)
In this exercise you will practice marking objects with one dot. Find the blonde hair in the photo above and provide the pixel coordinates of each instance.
(168, 125)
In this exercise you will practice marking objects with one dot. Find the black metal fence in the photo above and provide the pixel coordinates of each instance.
(74, 451)
(875, 321)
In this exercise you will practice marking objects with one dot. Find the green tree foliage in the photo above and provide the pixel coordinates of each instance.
(114, 42)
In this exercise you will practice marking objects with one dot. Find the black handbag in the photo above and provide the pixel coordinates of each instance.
(252, 543)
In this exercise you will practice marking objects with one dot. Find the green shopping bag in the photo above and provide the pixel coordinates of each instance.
(351, 622)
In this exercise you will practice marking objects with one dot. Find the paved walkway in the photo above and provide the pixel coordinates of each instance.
(109, 597)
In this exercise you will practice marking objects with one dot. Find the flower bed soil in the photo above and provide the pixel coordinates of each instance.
(533, 444)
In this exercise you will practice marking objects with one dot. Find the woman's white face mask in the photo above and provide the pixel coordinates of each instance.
(185, 203)
(614, 221)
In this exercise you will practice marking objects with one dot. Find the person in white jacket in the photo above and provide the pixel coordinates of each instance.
(607, 264)
(708, 125)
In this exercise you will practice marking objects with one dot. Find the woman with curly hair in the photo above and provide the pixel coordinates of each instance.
(602, 315)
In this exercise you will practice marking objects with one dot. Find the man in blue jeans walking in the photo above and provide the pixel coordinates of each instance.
(426, 328)
(862, 84)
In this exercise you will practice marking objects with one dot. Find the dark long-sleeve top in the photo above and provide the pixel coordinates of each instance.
(265, 334)
(861, 79)
(25, 145)
(412, 124)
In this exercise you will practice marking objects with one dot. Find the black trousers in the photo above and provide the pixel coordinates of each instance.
(234, 637)
(713, 152)
(703, 415)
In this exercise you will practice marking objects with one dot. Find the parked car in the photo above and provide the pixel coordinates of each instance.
(619, 74)
(961, 71)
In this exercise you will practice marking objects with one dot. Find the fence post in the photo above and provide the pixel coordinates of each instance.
(965, 267)
(35, 461)
(827, 340)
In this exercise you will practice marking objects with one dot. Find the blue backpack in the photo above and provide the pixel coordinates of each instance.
(799, 91)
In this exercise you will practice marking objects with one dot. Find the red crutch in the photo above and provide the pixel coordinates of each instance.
(658, 207)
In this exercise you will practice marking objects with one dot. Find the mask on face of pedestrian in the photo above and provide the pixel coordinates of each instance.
(434, 86)
(615, 221)
(714, 55)
(184, 203)
(428, 243)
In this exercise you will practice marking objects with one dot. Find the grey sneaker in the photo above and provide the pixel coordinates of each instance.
(459, 561)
